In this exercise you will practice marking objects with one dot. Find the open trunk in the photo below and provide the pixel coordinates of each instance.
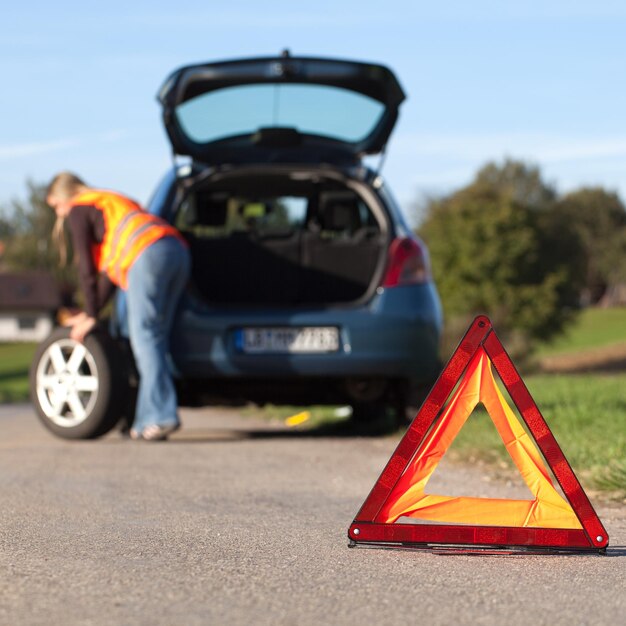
(299, 239)
(280, 110)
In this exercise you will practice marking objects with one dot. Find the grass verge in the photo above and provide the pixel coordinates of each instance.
(587, 415)
(15, 359)
(592, 329)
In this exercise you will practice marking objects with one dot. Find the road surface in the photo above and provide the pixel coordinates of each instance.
(235, 521)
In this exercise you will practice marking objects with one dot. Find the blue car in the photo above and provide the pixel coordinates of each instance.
(308, 286)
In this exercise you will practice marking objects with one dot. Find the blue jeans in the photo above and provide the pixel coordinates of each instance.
(155, 283)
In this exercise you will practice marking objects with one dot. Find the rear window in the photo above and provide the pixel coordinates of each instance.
(320, 110)
(331, 215)
(220, 215)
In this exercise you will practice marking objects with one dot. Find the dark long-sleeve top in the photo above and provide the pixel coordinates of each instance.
(87, 228)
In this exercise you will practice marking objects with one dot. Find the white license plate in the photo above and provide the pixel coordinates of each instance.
(290, 340)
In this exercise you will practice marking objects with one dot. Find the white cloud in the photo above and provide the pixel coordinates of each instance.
(539, 147)
(33, 148)
(436, 163)
(12, 151)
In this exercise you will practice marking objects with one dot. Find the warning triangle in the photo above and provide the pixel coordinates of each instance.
(399, 512)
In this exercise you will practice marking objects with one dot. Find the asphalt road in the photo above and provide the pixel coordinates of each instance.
(238, 522)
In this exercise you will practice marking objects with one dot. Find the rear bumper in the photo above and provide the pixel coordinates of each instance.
(394, 336)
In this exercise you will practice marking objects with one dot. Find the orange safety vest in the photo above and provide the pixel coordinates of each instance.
(128, 230)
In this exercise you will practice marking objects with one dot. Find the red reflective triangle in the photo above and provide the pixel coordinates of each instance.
(368, 528)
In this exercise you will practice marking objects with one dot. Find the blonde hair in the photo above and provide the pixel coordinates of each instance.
(64, 186)
(59, 241)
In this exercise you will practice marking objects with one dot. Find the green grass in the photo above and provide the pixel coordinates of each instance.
(15, 360)
(586, 412)
(587, 415)
(594, 328)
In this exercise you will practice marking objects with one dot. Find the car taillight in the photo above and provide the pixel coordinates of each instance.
(408, 263)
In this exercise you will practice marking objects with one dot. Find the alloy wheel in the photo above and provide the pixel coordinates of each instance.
(67, 383)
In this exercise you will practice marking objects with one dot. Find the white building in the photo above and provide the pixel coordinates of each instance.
(28, 305)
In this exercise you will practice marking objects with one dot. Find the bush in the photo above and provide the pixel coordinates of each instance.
(495, 252)
(599, 219)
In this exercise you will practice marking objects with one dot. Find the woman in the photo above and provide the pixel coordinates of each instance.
(120, 244)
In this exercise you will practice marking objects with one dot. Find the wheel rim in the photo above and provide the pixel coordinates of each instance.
(67, 383)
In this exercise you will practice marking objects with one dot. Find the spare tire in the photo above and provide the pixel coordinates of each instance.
(79, 390)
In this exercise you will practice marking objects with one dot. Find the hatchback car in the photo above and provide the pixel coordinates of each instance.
(308, 286)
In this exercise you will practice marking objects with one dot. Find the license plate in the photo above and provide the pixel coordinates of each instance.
(289, 340)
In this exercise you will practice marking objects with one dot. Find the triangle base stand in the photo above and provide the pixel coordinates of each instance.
(474, 550)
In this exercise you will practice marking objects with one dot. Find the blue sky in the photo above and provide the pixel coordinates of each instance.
(540, 81)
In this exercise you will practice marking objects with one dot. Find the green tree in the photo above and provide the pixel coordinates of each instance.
(26, 227)
(518, 181)
(599, 218)
(496, 249)
(6, 229)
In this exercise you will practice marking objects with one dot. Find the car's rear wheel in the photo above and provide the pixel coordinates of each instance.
(78, 389)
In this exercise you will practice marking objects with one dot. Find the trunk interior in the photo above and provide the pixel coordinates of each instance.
(282, 241)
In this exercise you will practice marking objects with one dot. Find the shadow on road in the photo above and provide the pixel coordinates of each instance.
(339, 430)
(345, 429)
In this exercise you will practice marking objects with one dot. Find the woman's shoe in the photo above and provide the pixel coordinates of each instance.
(154, 432)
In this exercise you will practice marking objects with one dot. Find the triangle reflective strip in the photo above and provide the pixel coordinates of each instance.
(547, 521)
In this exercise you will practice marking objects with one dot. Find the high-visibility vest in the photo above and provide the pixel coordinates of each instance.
(128, 230)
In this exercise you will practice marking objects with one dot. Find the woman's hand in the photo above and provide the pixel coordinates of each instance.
(71, 317)
(82, 327)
